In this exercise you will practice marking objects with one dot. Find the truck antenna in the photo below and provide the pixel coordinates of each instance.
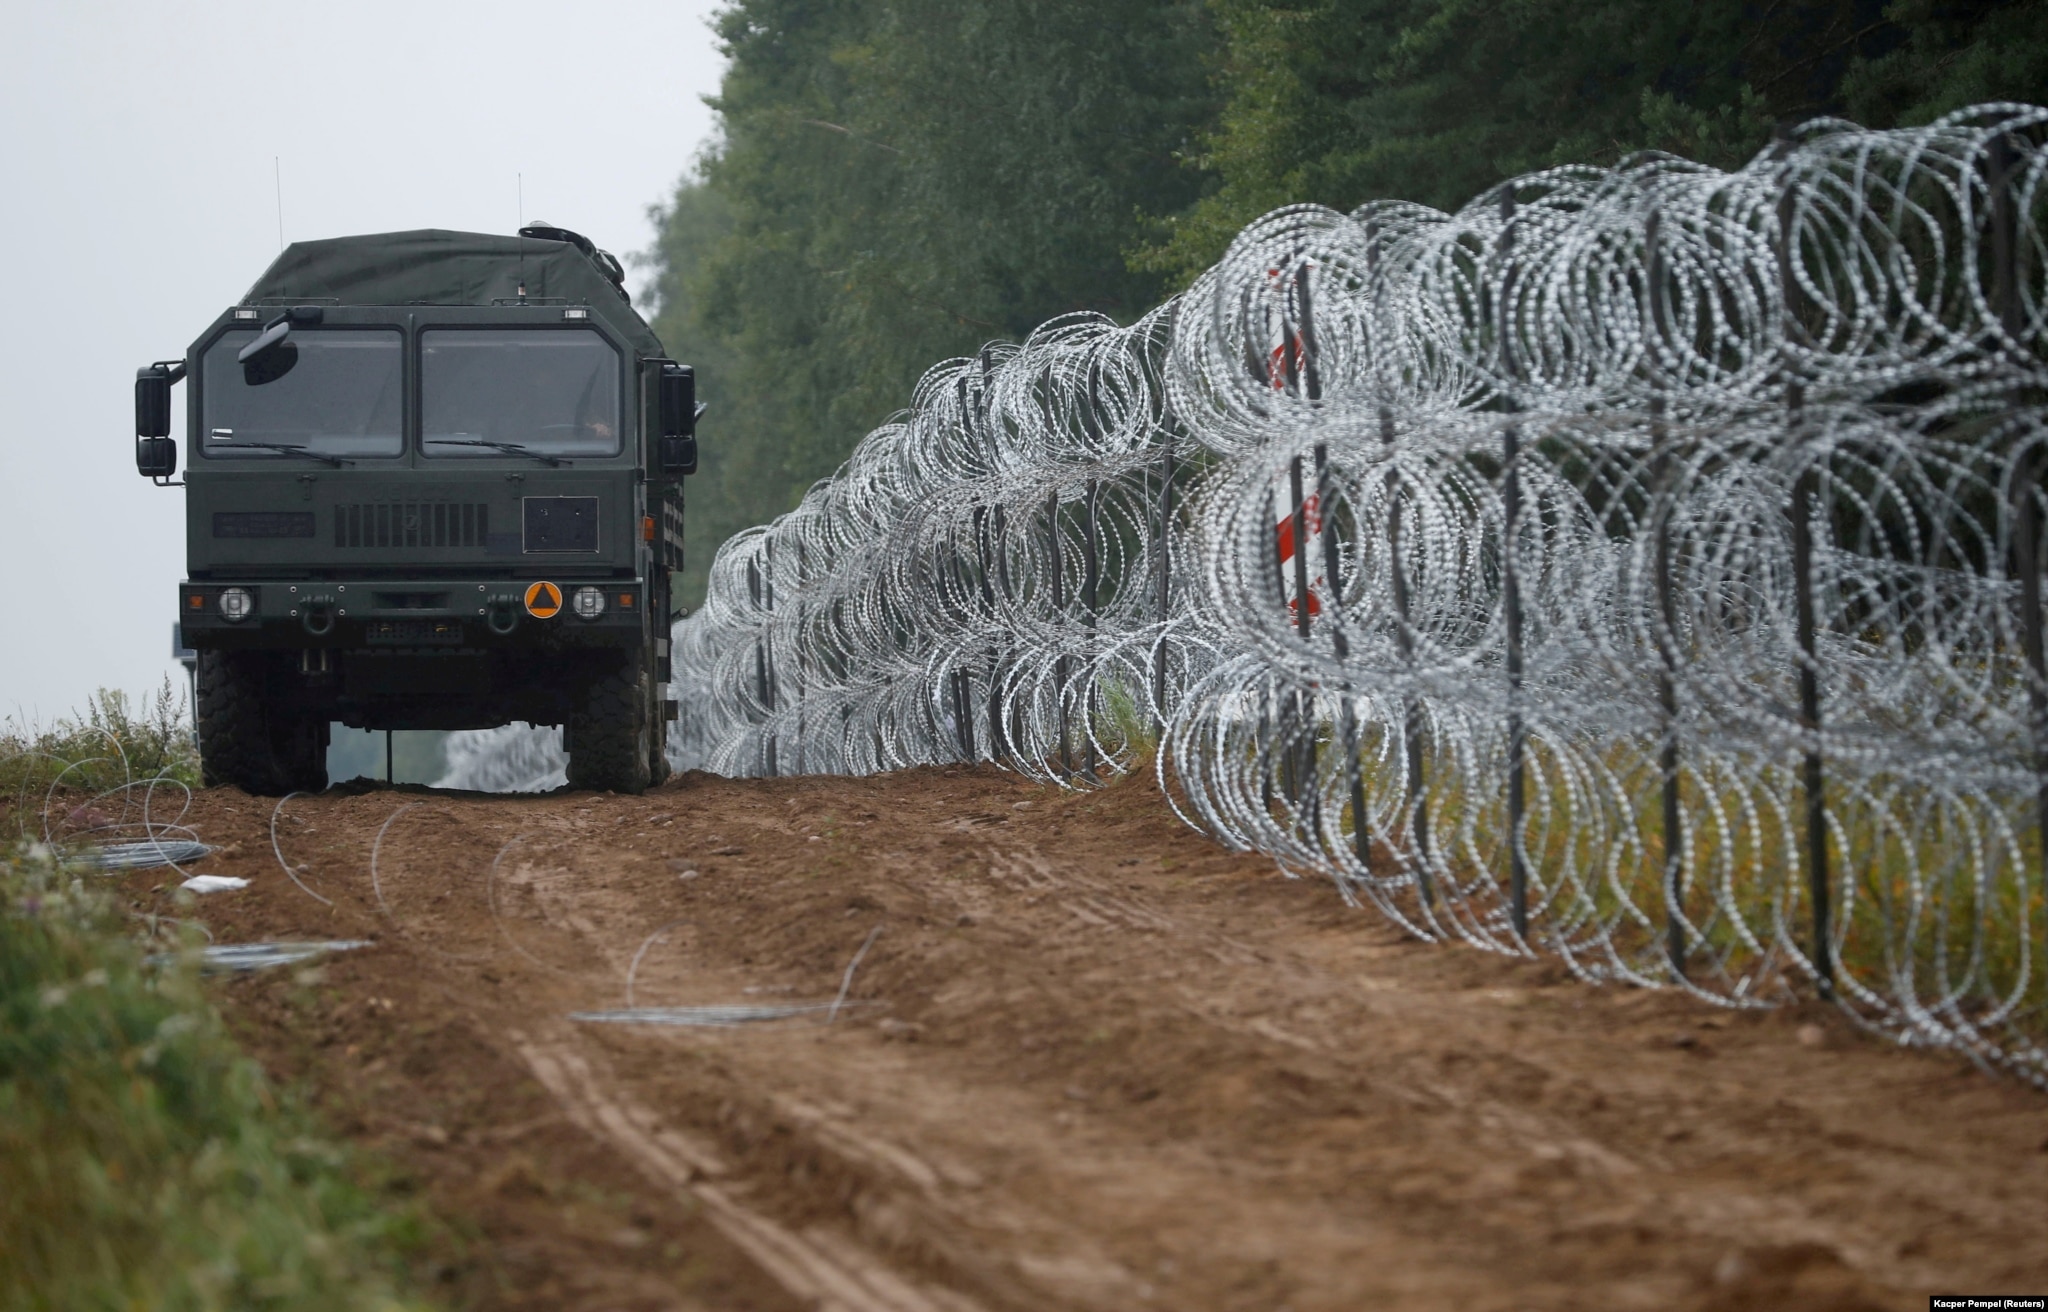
(277, 177)
(521, 179)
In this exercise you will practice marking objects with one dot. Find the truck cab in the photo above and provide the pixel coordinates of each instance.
(435, 482)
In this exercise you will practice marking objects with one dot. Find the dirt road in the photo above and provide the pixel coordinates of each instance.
(1090, 1061)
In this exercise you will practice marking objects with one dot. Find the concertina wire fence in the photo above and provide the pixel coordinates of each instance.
(1684, 525)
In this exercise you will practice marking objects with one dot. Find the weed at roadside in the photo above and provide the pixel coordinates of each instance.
(143, 1161)
(113, 742)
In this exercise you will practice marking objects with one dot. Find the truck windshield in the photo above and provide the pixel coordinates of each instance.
(546, 391)
(344, 397)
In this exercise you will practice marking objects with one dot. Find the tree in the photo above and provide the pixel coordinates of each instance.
(899, 182)
(896, 185)
(1344, 101)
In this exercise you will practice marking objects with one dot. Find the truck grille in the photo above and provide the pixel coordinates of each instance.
(412, 524)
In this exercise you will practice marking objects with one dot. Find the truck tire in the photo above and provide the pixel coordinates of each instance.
(609, 735)
(300, 746)
(244, 740)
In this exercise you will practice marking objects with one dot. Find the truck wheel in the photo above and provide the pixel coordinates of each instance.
(300, 747)
(609, 737)
(244, 740)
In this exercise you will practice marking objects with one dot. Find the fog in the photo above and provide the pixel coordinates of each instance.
(149, 156)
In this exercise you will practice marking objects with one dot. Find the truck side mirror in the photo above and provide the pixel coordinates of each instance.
(678, 400)
(677, 454)
(156, 457)
(156, 454)
(153, 397)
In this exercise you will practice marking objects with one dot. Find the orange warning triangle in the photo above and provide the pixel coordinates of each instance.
(543, 600)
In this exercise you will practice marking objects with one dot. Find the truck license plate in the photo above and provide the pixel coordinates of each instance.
(413, 633)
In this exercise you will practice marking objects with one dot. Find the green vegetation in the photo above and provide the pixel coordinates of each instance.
(1435, 100)
(143, 1162)
(1126, 729)
(897, 183)
(112, 743)
(1930, 892)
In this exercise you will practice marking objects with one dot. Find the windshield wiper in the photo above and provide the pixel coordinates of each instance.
(293, 450)
(512, 447)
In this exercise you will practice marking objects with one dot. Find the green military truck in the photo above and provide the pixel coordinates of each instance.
(435, 483)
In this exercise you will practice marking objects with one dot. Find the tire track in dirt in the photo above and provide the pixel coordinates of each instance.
(832, 1276)
(1096, 1063)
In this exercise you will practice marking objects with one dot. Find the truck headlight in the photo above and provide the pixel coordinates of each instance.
(236, 604)
(588, 603)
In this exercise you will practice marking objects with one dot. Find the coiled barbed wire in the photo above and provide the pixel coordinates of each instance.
(1684, 525)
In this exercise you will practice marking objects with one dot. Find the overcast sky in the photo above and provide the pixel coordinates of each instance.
(143, 145)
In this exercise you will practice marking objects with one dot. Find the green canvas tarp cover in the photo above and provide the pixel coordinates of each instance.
(432, 266)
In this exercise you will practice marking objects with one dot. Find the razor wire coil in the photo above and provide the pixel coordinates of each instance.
(1640, 565)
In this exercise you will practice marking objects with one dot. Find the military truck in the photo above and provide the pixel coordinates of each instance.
(435, 482)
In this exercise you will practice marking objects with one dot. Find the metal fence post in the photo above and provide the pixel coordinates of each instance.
(1164, 551)
(958, 592)
(1057, 568)
(1662, 501)
(1269, 764)
(1806, 490)
(802, 682)
(1309, 381)
(1416, 780)
(963, 713)
(963, 681)
(988, 549)
(1333, 581)
(984, 550)
(1511, 581)
(1013, 731)
(764, 649)
(1091, 582)
(1301, 756)
(1414, 770)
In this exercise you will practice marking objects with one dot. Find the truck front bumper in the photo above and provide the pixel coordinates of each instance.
(412, 613)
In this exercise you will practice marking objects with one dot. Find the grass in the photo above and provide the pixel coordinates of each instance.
(1125, 726)
(112, 743)
(144, 1162)
(1934, 890)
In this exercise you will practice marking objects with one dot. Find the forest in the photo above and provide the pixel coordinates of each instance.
(896, 182)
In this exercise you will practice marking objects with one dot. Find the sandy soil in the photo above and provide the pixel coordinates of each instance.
(1090, 1061)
